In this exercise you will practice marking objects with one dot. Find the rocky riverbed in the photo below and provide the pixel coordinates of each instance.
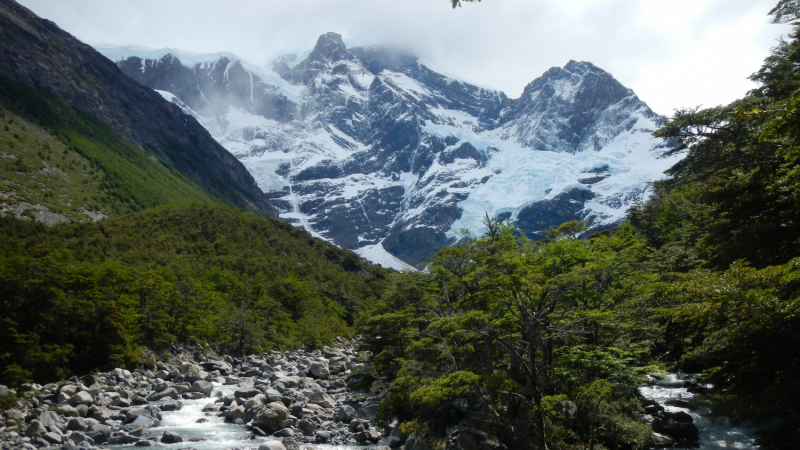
(270, 401)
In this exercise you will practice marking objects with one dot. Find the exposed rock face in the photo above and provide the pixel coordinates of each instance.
(376, 152)
(52, 59)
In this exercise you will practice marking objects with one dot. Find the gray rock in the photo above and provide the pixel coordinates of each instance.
(306, 426)
(77, 424)
(323, 399)
(676, 430)
(122, 439)
(270, 417)
(272, 445)
(345, 413)
(169, 392)
(290, 444)
(143, 421)
(319, 370)
(81, 398)
(35, 429)
(202, 386)
(678, 416)
(285, 432)
(371, 435)
(194, 395)
(171, 406)
(67, 411)
(245, 393)
(368, 411)
(4, 392)
(234, 413)
(121, 402)
(170, 438)
(53, 438)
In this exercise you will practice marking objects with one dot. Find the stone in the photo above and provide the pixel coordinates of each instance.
(285, 432)
(169, 392)
(194, 396)
(35, 429)
(202, 386)
(322, 399)
(143, 443)
(67, 411)
(272, 445)
(678, 416)
(171, 406)
(345, 413)
(83, 410)
(77, 424)
(4, 391)
(290, 444)
(319, 370)
(170, 438)
(565, 408)
(69, 389)
(676, 430)
(368, 411)
(306, 426)
(272, 395)
(245, 393)
(270, 417)
(472, 439)
(77, 437)
(122, 439)
(132, 414)
(322, 437)
(234, 413)
(81, 398)
(143, 421)
(296, 409)
(121, 402)
(662, 440)
(371, 435)
(53, 438)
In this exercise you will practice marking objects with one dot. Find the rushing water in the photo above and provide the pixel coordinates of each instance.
(218, 435)
(715, 432)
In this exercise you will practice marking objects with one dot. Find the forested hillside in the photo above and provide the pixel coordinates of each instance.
(82, 297)
(542, 344)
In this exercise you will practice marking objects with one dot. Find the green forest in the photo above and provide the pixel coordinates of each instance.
(541, 341)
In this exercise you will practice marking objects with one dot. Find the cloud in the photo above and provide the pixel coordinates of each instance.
(673, 54)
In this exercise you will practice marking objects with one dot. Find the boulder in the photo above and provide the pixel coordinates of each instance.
(77, 424)
(169, 392)
(272, 445)
(319, 370)
(322, 399)
(270, 417)
(234, 413)
(67, 411)
(306, 426)
(345, 413)
(122, 439)
(53, 438)
(371, 435)
(245, 393)
(132, 414)
(143, 421)
(284, 432)
(171, 406)
(676, 430)
(35, 429)
(678, 416)
(170, 438)
(291, 444)
(81, 398)
(472, 439)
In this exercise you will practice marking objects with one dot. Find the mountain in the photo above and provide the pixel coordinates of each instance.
(372, 150)
(82, 140)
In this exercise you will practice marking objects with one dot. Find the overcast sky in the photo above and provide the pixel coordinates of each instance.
(672, 53)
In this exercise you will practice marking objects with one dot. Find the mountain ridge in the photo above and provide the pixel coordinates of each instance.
(382, 151)
(37, 53)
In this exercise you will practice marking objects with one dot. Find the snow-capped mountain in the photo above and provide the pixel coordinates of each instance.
(376, 152)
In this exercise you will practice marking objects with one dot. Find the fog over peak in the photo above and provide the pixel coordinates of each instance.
(672, 54)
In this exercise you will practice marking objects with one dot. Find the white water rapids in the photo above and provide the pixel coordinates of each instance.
(715, 432)
(218, 435)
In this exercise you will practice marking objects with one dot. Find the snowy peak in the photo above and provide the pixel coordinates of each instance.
(372, 150)
(575, 108)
